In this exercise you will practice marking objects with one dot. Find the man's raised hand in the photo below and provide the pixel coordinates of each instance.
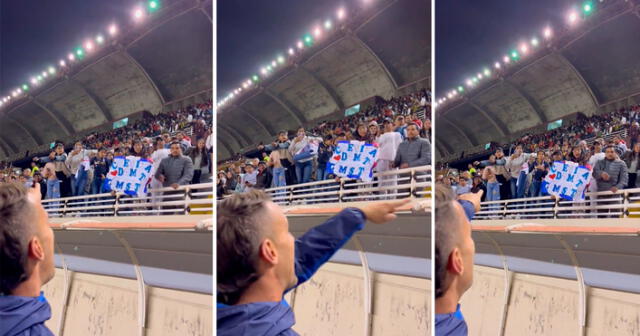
(382, 212)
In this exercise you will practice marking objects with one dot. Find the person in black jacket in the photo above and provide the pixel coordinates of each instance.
(264, 177)
(325, 151)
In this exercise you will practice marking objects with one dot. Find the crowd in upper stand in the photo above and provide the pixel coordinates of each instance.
(180, 144)
(517, 169)
(400, 126)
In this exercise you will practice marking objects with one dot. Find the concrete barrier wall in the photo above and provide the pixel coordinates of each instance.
(333, 303)
(102, 305)
(539, 305)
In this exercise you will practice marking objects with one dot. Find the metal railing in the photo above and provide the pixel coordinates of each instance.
(393, 184)
(185, 200)
(604, 204)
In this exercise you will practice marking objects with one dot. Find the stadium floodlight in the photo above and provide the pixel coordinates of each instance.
(88, 45)
(474, 79)
(514, 55)
(327, 24)
(63, 63)
(113, 29)
(25, 87)
(341, 13)
(479, 75)
(487, 72)
(71, 57)
(79, 52)
(524, 48)
(280, 59)
(587, 8)
(317, 32)
(52, 70)
(44, 74)
(300, 45)
(99, 39)
(460, 88)
(263, 71)
(255, 78)
(274, 63)
(308, 40)
(505, 59)
(14, 94)
(469, 82)
(534, 42)
(497, 65)
(34, 81)
(547, 32)
(291, 51)
(138, 13)
(449, 95)
(39, 78)
(572, 17)
(153, 5)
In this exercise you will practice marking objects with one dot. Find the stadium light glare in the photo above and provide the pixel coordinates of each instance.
(113, 29)
(52, 70)
(255, 78)
(497, 65)
(317, 32)
(39, 78)
(63, 63)
(138, 13)
(263, 71)
(34, 81)
(524, 48)
(280, 59)
(269, 68)
(341, 13)
(514, 55)
(274, 63)
(153, 5)
(25, 87)
(460, 88)
(308, 40)
(328, 24)
(99, 39)
(479, 75)
(506, 59)
(487, 72)
(71, 57)
(88, 45)
(79, 52)
(547, 33)
(44, 74)
(534, 42)
(469, 82)
(572, 17)
(449, 95)
(291, 51)
(14, 94)
(587, 7)
(300, 45)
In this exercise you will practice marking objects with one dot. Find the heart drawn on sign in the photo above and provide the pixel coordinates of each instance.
(337, 157)
(553, 176)
(114, 173)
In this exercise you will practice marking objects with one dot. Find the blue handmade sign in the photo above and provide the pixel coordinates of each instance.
(353, 159)
(568, 180)
(130, 175)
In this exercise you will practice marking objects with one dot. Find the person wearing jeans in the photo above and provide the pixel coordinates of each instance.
(303, 155)
(514, 165)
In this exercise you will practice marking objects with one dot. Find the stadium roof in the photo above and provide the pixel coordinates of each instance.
(159, 65)
(589, 69)
(384, 51)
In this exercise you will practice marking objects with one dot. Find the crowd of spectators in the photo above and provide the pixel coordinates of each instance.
(179, 143)
(516, 170)
(400, 126)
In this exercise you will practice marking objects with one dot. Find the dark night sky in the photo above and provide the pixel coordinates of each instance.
(472, 34)
(38, 33)
(251, 33)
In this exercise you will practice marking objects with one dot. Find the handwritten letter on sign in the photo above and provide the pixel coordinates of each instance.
(130, 175)
(354, 159)
(568, 180)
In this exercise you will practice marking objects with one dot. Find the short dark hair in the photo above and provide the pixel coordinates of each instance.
(239, 235)
(413, 124)
(15, 232)
(447, 228)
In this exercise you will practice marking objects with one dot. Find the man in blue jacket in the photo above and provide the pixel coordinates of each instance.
(26, 261)
(453, 253)
(258, 260)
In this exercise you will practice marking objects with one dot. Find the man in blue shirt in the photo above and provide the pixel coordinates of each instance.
(258, 260)
(26, 261)
(453, 253)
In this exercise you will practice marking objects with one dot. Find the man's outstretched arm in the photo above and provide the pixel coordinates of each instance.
(319, 244)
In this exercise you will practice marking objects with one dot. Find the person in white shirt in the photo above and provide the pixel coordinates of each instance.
(388, 142)
(157, 156)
